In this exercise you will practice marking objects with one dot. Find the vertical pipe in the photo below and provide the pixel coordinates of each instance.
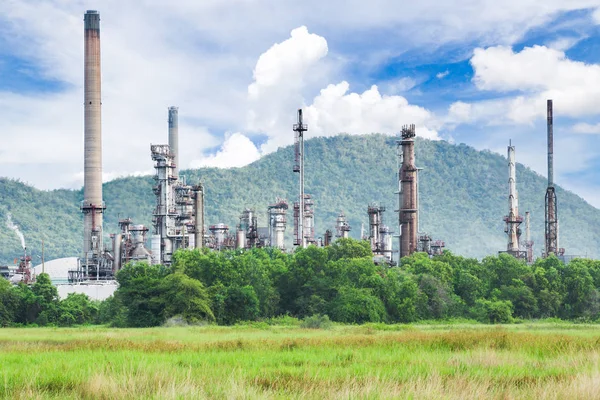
(174, 138)
(92, 187)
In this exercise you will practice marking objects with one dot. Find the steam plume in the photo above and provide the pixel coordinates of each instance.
(10, 224)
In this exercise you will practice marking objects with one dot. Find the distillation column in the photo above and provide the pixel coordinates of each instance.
(199, 216)
(277, 223)
(408, 213)
(174, 138)
(342, 227)
(92, 205)
(513, 219)
(375, 222)
(165, 209)
(551, 231)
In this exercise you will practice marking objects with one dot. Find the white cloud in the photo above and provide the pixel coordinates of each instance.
(536, 68)
(281, 76)
(584, 127)
(534, 74)
(287, 62)
(459, 112)
(284, 72)
(237, 150)
(564, 43)
(442, 75)
(596, 15)
(335, 110)
(400, 85)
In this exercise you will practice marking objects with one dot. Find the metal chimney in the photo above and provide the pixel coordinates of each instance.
(174, 138)
(550, 126)
(92, 206)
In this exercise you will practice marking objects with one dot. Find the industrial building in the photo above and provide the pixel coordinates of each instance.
(178, 218)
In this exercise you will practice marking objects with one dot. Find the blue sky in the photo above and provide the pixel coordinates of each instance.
(470, 72)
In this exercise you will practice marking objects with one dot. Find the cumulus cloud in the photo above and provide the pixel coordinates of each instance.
(281, 77)
(237, 150)
(442, 75)
(287, 60)
(530, 77)
(336, 110)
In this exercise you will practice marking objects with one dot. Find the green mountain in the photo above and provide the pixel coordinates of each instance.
(463, 197)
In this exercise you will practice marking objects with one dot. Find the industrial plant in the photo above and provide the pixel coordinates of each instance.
(179, 217)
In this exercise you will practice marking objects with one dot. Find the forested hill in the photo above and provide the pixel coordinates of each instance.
(463, 196)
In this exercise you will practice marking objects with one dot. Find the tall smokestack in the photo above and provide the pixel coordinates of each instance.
(174, 137)
(550, 126)
(92, 206)
(551, 203)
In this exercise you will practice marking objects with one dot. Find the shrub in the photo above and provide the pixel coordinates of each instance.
(283, 320)
(317, 322)
(493, 311)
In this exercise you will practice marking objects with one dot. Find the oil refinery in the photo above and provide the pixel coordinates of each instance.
(179, 216)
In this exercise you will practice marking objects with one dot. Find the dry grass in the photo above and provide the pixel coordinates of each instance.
(428, 362)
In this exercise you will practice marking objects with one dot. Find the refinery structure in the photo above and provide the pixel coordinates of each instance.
(179, 217)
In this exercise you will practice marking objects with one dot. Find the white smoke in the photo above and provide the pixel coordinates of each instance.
(10, 224)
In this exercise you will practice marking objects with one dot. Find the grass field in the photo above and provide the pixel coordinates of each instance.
(543, 360)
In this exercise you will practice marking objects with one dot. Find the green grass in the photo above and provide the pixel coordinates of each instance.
(455, 360)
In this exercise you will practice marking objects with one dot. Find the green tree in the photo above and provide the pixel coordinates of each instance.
(140, 291)
(9, 303)
(182, 295)
(240, 304)
(357, 306)
(77, 309)
(111, 311)
(522, 298)
(400, 296)
(493, 311)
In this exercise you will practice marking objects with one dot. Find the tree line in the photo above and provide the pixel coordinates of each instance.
(340, 281)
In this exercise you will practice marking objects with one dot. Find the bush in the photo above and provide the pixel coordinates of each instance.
(317, 322)
(283, 320)
(357, 306)
(493, 311)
